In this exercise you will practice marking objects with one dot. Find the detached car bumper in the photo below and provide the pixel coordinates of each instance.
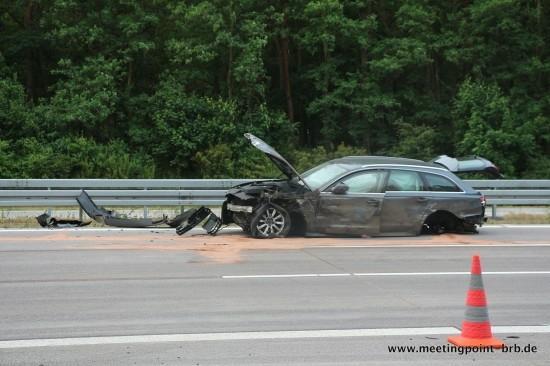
(212, 224)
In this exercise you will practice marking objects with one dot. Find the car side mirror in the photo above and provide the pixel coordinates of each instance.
(340, 188)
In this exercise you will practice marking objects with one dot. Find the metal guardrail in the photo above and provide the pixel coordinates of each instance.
(514, 192)
(184, 192)
(121, 183)
(115, 192)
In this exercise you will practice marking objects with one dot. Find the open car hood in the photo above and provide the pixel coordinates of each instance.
(277, 158)
(469, 164)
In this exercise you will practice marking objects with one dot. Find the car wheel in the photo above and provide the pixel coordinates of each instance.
(270, 221)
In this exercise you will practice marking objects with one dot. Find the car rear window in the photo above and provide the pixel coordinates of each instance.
(438, 183)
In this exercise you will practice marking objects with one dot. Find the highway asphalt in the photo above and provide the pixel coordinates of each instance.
(149, 297)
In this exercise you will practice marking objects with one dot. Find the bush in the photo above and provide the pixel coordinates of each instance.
(74, 157)
(193, 135)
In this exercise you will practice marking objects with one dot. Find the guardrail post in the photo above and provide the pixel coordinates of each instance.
(493, 211)
(145, 210)
(80, 214)
(49, 208)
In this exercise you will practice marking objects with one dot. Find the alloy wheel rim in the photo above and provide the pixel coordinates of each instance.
(272, 222)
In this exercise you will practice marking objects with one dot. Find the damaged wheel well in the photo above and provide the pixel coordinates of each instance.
(298, 225)
(441, 221)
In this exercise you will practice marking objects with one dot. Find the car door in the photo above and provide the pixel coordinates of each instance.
(404, 203)
(354, 210)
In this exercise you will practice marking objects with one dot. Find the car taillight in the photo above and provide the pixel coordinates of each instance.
(483, 201)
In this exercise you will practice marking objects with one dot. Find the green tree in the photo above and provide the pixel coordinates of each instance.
(487, 126)
(85, 98)
(171, 85)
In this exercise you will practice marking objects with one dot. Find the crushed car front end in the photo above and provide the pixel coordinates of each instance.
(266, 208)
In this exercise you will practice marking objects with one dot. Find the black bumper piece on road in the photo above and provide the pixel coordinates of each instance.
(46, 220)
(181, 218)
(91, 209)
(182, 222)
(108, 217)
(132, 223)
(212, 225)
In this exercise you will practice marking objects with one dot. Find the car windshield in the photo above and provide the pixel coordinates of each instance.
(324, 173)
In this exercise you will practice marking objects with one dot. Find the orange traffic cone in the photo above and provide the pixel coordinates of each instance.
(476, 327)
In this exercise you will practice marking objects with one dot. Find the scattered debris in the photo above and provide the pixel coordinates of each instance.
(109, 217)
(212, 225)
(178, 220)
(134, 223)
(46, 220)
(91, 208)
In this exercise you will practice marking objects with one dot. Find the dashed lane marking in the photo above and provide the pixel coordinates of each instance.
(381, 274)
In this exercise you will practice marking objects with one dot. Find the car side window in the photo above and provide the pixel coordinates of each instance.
(438, 183)
(404, 180)
(364, 182)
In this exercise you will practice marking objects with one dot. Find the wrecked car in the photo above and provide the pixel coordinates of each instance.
(359, 195)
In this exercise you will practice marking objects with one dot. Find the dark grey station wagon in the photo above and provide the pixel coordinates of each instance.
(359, 195)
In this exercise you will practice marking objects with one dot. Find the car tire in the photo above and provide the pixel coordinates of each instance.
(270, 221)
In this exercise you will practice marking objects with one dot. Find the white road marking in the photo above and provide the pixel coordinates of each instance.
(228, 336)
(291, 275)
(22, 230)
(381, 274)
(521, 329)
(293, 334)
(450, 273)
(276, 276)
(334, 274)
(516, 226)
(104, 229)
(376, 274)
(517, 272)
(435, 245)
(91, 229)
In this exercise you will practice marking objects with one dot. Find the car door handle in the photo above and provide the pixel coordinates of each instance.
(373, 202)
(421, 199)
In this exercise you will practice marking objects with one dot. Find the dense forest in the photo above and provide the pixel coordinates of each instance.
(166, 88)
